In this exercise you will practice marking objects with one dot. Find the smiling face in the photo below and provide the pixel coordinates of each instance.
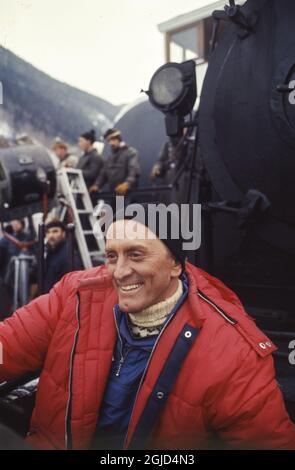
(141, 266)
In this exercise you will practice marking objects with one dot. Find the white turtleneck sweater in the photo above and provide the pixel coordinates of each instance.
(150, 320)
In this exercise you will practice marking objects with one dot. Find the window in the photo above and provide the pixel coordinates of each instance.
(187, 43)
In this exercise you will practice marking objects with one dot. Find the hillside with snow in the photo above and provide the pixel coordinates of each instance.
(36, 104)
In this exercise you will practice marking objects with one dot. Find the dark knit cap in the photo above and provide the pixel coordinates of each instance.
(55, 223)
(172, 236)
(90, 135)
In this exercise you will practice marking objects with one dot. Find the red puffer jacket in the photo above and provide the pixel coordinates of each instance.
(210, 373)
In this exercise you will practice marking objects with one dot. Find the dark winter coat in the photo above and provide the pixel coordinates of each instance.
(120, 166)
(91, 164)
(57, 264)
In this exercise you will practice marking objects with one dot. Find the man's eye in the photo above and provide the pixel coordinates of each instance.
(135, 255)
(111, 257)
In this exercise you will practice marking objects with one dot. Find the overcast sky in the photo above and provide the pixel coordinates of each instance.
(107, 47)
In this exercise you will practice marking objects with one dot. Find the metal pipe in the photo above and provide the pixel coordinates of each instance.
(41, 260)
(70, 245)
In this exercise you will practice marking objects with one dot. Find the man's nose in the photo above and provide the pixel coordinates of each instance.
(122, 269)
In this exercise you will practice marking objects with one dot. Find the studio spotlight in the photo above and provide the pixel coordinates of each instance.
(173, 91)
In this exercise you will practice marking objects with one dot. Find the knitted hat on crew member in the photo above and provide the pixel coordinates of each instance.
(90, 135)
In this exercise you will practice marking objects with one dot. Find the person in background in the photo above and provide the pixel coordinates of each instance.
(57, 255)
(170, 161)
(121, 170)
(166, 163)
(65, 159)
(7, 248)
(91, 163)
(170, 158)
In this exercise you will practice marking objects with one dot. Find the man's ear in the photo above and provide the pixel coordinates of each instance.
(176, 268)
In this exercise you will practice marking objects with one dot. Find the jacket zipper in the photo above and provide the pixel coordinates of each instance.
(143, 375)
(121, 362)
(121, 344)
(67, 419)
(122, 359)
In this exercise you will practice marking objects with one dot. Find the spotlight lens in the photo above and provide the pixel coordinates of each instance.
(167, 86)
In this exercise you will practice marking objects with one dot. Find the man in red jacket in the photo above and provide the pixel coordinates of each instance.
(147, 352)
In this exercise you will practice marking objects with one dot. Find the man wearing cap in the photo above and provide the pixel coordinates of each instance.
(147, 352)
(121, 169)
(57, 262)
(91, 163)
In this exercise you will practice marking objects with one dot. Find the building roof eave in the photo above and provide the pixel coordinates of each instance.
(192, 16)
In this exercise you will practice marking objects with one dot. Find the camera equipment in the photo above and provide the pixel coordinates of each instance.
(26, 175)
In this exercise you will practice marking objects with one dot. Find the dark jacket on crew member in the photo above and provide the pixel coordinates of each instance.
(57, 264)
(120, 166)
(91, 164)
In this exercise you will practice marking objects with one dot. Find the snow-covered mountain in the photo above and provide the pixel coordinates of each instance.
(43, 107)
